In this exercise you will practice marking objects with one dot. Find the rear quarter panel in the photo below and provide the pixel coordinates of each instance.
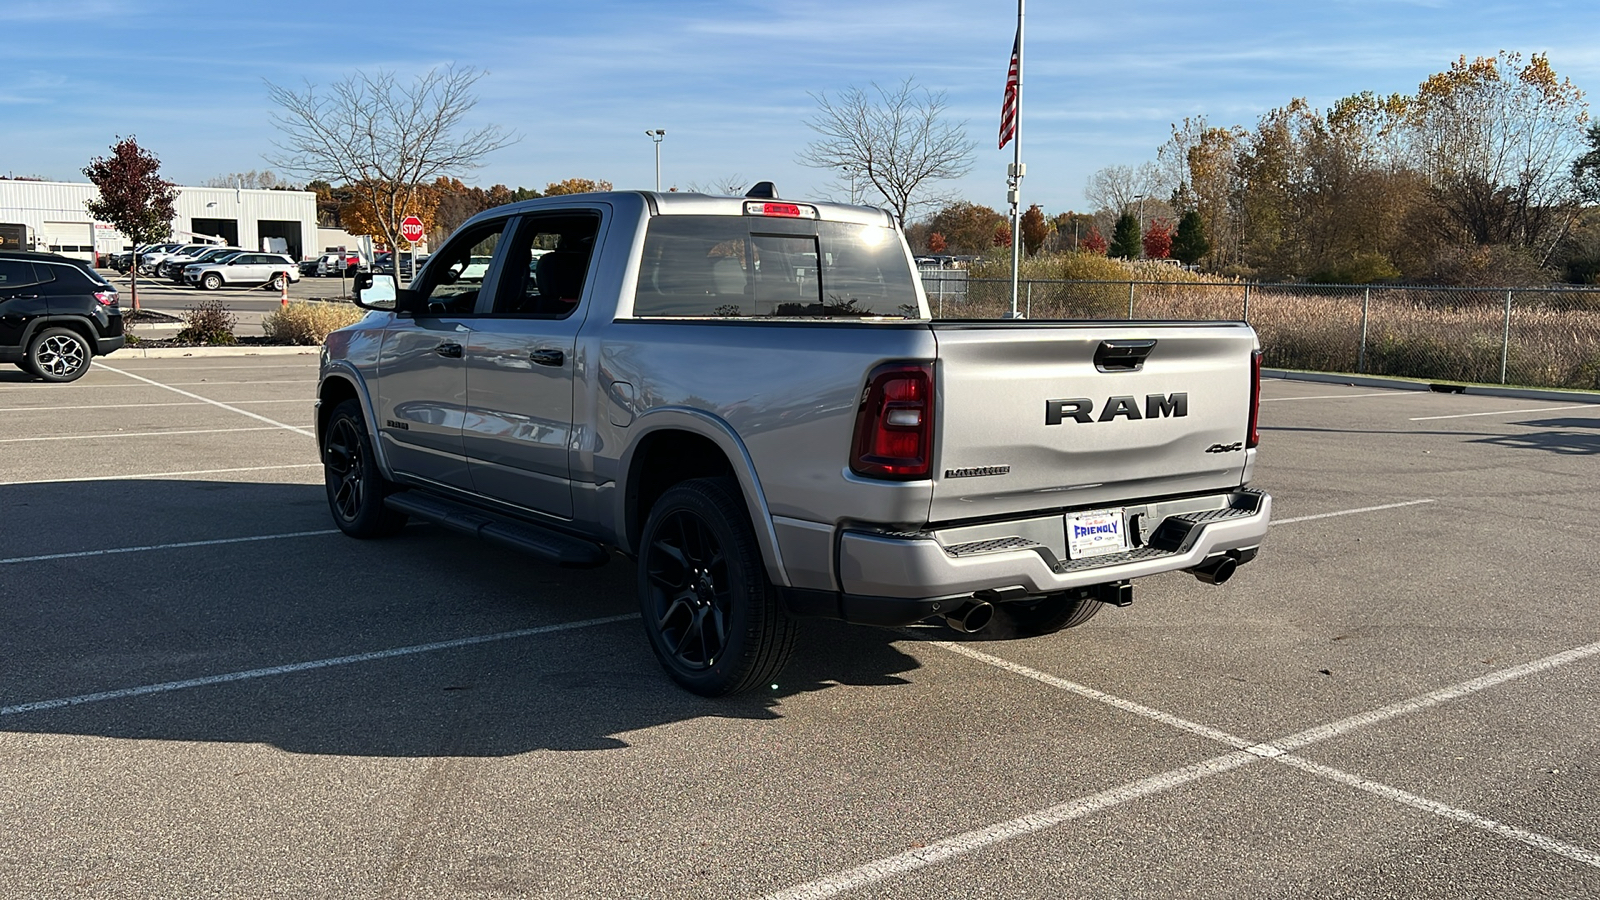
(788, 390)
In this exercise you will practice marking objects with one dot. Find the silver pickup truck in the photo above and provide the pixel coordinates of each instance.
(748, 397)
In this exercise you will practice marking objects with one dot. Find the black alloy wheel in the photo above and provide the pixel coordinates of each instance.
(350, 473)
(712, 617)
(58, 355)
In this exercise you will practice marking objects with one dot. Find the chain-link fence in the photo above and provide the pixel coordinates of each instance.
(1546, 337)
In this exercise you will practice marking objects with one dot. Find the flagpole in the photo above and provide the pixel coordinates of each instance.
(1015, 175)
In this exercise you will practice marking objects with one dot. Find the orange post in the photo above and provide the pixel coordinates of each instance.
(283, 298)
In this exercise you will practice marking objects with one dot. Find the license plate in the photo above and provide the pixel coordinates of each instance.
(1096, 533)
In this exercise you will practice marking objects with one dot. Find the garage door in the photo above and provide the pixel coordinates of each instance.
(74, 239)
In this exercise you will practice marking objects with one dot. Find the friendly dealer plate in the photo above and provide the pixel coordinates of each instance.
(1096, 533)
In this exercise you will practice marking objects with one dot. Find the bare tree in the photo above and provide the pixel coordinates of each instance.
(895, 142)
(725, 185)
(382, 139)
(265, 180)
(1118, 188)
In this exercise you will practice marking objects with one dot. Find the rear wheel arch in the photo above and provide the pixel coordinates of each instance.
(662, 459)
(82, 326)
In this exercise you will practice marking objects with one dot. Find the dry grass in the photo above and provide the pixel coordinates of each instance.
(1554, 336)
(309, 323)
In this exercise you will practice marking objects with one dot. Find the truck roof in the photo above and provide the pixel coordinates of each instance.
(685, 203)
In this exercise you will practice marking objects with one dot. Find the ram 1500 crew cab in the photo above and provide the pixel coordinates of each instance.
(748, 398)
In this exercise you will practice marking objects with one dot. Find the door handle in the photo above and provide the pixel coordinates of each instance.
(449, 350)
(548, 357)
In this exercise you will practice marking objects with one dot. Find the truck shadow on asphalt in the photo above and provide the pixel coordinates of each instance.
(73, 627)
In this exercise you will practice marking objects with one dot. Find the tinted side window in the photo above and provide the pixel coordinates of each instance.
(15, 273)
(546, 266)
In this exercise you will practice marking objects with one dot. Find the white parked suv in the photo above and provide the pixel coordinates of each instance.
(272, 270)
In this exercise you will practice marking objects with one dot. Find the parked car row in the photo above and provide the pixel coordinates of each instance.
(209, 266)
(183, 264)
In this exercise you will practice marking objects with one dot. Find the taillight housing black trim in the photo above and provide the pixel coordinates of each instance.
(1254, 436)
(893, 439)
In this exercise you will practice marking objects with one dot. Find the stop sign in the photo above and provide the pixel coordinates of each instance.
(411, 229)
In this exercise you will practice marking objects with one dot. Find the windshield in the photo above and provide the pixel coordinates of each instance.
(737, 267)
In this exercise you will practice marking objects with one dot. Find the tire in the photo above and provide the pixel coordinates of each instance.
(278, 282)
(712, 618)
(1051, 614)
(59, 355)
(350, 474)
(211, 282)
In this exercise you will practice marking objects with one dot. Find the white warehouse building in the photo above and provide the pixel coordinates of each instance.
(50, 216)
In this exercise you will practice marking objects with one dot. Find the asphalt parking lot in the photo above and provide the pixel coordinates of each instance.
(206, 691)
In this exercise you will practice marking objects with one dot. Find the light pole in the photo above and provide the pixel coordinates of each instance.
(656, 135)
(852, 170)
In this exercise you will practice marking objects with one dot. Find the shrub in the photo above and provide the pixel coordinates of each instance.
(208, 322)
(303, 322)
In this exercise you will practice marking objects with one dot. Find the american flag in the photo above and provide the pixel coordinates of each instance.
(1008, 108)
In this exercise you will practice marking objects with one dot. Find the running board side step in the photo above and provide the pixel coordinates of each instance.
(550, 546)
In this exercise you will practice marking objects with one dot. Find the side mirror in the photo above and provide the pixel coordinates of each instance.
(374, 291)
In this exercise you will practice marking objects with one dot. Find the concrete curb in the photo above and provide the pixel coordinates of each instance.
(1407, 384)
(134, 352)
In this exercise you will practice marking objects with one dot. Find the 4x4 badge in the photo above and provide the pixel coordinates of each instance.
(1225, 448)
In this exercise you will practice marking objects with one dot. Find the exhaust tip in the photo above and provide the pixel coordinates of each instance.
(1216, 571)
(970, 618)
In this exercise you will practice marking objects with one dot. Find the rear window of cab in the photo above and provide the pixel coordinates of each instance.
(754, 267)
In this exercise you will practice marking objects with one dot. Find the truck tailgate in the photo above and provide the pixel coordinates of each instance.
(1028, 420)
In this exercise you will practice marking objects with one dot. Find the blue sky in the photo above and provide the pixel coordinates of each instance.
(729, 81)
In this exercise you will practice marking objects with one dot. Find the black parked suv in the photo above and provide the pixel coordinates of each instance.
(56, 315)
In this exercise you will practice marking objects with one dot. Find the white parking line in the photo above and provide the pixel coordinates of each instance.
(1276, 751)
(218, 403)
(978, 839)
(1350, 512)
(168, 686)
(149, 475)
(1397, 394)
(1444, 811)
(1504, 412)
(123, 434)
(175, 546)
(197, 364)
(139, 405)
(78, 385)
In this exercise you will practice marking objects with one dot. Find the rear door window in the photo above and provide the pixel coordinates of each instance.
(15, 273)
(738, 267)
(546, 265)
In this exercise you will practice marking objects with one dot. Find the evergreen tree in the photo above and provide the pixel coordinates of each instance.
(1190, 245)
(1125, 237)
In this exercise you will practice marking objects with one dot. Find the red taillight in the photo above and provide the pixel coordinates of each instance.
(894, 426)
(1254, 437)
(106, 298)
